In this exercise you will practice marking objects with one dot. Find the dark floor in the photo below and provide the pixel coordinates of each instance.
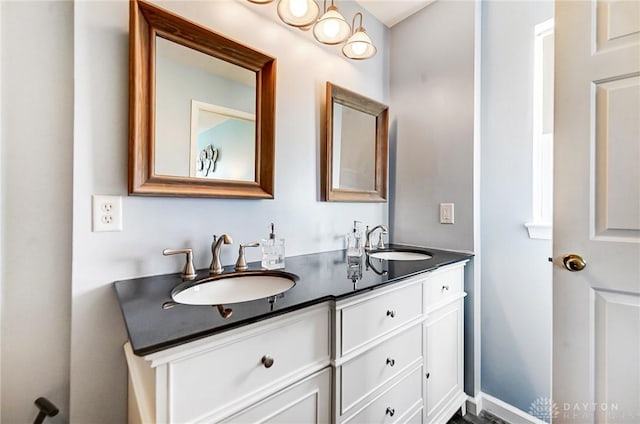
(484, 418)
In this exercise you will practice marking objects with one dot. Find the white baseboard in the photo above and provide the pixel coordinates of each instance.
(501, 409)
(474, 404)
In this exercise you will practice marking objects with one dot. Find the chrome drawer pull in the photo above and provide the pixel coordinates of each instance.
(391, 313)
(390, 412)
(267, 361)
(391, 362)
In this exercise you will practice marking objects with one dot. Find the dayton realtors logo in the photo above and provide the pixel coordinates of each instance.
(546, 409)
(589, 410)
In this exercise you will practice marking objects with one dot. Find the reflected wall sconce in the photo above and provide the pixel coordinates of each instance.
(331, 28)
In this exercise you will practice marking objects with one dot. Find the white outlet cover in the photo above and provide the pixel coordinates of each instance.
(106, 213)
(447, 213)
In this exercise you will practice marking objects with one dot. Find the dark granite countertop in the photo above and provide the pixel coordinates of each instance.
(323, 276)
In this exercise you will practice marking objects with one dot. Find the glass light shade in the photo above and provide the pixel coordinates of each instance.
(298, 13)
(331, 28)
(359, 46)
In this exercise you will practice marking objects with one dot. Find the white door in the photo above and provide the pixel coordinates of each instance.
(596, 312)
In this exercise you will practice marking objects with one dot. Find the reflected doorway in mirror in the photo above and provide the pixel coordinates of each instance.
(222, 143)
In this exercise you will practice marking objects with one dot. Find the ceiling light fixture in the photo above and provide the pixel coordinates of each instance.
(359, 45)
(331, 28)
(298, 13)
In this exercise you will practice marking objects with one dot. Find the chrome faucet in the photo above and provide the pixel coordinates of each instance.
(383, 230)
(189, 272)
(216, 267)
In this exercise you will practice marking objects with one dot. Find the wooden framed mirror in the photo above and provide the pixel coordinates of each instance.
(355, 148)
(201, 110)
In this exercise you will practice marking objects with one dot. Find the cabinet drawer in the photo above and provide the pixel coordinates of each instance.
(201, 385)
(363, 322)
(378, 366)
(307, 401)
(415, 418)
(393, 405)
(443, 284)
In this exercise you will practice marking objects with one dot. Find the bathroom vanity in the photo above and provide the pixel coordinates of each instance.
(372, 341)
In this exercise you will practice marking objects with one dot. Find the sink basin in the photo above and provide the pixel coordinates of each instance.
(400, 255)
(233, 288)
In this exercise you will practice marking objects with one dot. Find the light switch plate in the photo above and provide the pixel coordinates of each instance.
(446, 213)
(107, 213)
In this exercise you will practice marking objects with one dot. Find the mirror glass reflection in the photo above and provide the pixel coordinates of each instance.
(354, 149)
(204, 115)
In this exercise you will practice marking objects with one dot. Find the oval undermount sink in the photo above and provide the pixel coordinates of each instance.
(233, 288)
(400, 255)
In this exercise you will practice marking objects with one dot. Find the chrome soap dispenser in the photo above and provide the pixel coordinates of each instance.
(272, 251)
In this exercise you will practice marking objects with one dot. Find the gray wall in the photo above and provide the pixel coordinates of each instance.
(176, 85)
(36, 134)
(432, 136)
(516, 277)
(98, 370)
(432, 125)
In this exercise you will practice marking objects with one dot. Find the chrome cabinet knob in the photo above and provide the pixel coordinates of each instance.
(391, 313)
(391, 362)
(390, 412)
(444, 289)
(574, 262)
(267, 361)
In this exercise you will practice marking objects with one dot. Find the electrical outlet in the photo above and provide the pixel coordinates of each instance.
(446, 213)
(107, 213)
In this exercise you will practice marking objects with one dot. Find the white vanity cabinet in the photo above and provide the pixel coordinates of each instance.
(277, 367)
(389, 355)
(377, 355)
(444, 343)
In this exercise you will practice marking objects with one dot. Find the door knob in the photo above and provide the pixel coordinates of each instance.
(574, 262)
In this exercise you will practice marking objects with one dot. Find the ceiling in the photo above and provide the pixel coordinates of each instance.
(390, 12)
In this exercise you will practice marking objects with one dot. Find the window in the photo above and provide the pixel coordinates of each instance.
(540, 227)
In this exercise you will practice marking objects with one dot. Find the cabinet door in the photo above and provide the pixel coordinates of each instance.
(307, 401)
(443, 358)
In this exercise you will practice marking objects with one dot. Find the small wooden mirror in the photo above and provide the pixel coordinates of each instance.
(201, 110)
(355, 148)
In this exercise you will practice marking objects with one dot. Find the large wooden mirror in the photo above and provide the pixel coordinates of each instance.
(355, 148)
(201, 109)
